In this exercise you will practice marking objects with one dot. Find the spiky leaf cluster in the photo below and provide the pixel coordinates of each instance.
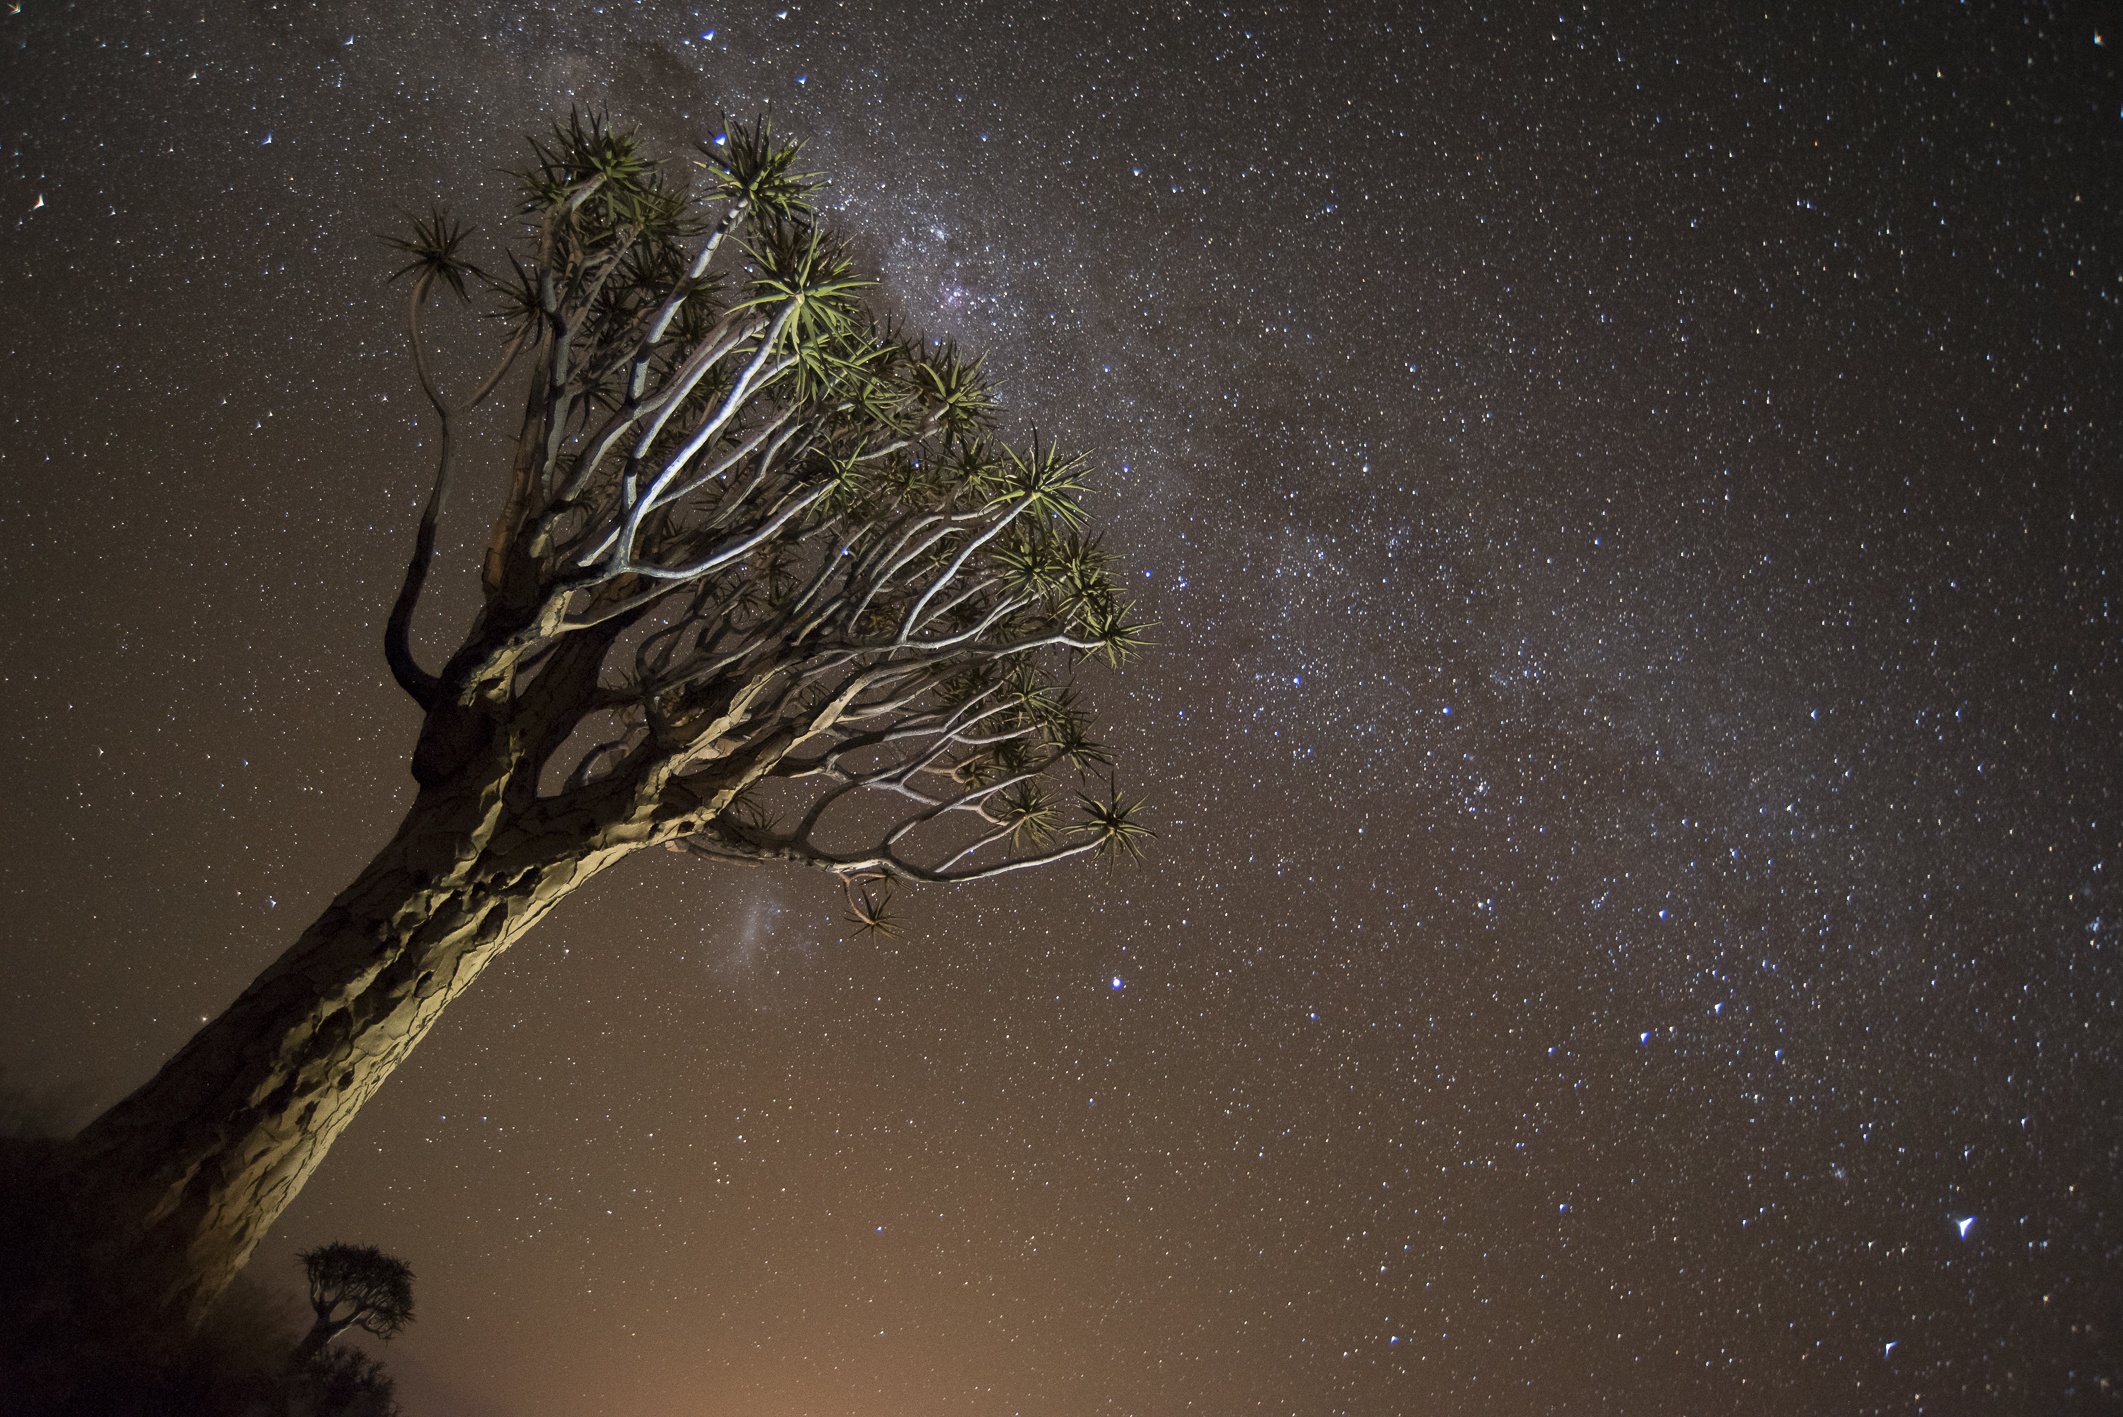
(773, 539)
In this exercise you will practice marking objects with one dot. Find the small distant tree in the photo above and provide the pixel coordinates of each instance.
(354, 1286)
(765, 585)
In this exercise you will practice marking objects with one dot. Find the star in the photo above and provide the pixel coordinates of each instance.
(1962, 1225)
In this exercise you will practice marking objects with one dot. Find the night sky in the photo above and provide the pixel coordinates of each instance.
(1631, 501)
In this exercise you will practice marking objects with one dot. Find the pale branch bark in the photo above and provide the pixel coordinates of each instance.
(876, 863)
(958, 563)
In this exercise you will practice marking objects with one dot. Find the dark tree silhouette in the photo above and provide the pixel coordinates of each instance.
(764, 587)
(354, 1286)
(342, 1382)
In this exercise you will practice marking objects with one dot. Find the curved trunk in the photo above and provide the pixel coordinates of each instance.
(183, 1177)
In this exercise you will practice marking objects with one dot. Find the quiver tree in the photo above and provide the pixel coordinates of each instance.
(353, 1286)
(764, 586)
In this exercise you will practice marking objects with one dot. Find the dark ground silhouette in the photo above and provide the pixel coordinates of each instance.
(73, 1345)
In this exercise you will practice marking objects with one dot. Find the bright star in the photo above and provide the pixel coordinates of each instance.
(1964, 1224)
(1117, 982)
(1890, 1347)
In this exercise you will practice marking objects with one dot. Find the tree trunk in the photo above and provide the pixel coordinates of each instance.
(321, 1332)
(183, 1177)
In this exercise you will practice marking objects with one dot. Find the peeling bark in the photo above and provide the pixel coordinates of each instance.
(189, 1172)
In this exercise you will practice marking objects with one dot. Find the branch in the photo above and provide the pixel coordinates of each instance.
(729, 333)
(906, 626)
(734, 549)
(398, 629)
(723, 846)
(740, 390)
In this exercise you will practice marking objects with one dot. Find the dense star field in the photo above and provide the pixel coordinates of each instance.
(1631, 503)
